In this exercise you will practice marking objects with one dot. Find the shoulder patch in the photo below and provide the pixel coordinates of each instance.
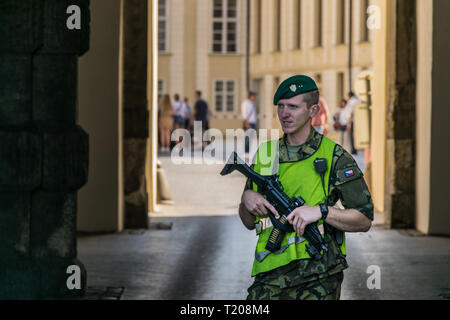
(347, 174)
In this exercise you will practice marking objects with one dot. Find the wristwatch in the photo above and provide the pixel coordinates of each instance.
(323, 210)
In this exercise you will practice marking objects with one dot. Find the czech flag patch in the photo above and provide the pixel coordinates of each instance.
(349, 173)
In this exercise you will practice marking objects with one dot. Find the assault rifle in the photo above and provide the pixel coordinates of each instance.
(271, 188)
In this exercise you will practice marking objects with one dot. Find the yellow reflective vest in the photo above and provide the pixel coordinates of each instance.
(298, 178)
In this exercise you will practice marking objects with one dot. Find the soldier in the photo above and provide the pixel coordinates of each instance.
(291, 273)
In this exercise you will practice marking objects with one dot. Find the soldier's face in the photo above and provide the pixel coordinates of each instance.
(294, 114)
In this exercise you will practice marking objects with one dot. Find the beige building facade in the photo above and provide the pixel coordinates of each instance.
(285, 38)
(307, 37)
(202, 46)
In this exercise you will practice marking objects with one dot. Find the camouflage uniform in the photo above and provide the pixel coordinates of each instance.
(308, 278)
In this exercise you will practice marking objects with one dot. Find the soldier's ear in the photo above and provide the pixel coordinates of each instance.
(314, 110)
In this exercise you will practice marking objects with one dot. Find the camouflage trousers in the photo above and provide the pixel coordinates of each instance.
(328, 288)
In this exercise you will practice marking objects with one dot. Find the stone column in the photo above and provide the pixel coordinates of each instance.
(433, 133)
(401, 120)
(135, 112)
(43, 153)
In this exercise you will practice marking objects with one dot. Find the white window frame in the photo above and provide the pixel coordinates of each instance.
(318, 26)
(297, 38)
(224, 95)
(166, 20)
(224, 19)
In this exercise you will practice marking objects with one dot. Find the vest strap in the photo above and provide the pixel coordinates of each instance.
(260, 256)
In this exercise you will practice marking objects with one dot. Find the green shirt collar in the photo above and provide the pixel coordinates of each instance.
(307, 149)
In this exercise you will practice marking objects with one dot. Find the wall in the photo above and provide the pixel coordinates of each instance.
(100, 201)
(440, 132)
(384, 50)
(424, 103)
(152, 105)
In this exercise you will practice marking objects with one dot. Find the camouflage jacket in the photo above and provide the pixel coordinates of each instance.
(353, 194)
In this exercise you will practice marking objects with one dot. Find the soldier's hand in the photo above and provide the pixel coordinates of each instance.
(302, 216)
(257, 205)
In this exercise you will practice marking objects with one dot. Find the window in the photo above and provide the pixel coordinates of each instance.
(162, 25)
(224, 26)
(364, 32)
(340, 19)
(297, 34)
(258, 35)
(277, 26)
(224, 93)
(318, 23)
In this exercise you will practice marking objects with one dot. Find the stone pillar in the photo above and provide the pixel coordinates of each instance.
(152, 98)
(440, 131)
(135, 112)
(400, 122)
(100, 201)
(433, 134)
(43, 153)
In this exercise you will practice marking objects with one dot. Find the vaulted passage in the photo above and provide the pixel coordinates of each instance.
(79, 143)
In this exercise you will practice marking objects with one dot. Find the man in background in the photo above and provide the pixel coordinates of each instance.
(249, 116)
(179, 111)
(201, 111)
(187, 117)
(352, 101)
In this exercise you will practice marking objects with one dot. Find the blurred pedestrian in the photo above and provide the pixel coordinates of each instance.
(249, 115)
(188, 114)
(320, 121)
(165, 122)
(351, 103)
(342, 119)
(179, 110)
(201, 111)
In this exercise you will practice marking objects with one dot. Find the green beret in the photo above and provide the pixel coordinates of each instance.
(294, 86)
